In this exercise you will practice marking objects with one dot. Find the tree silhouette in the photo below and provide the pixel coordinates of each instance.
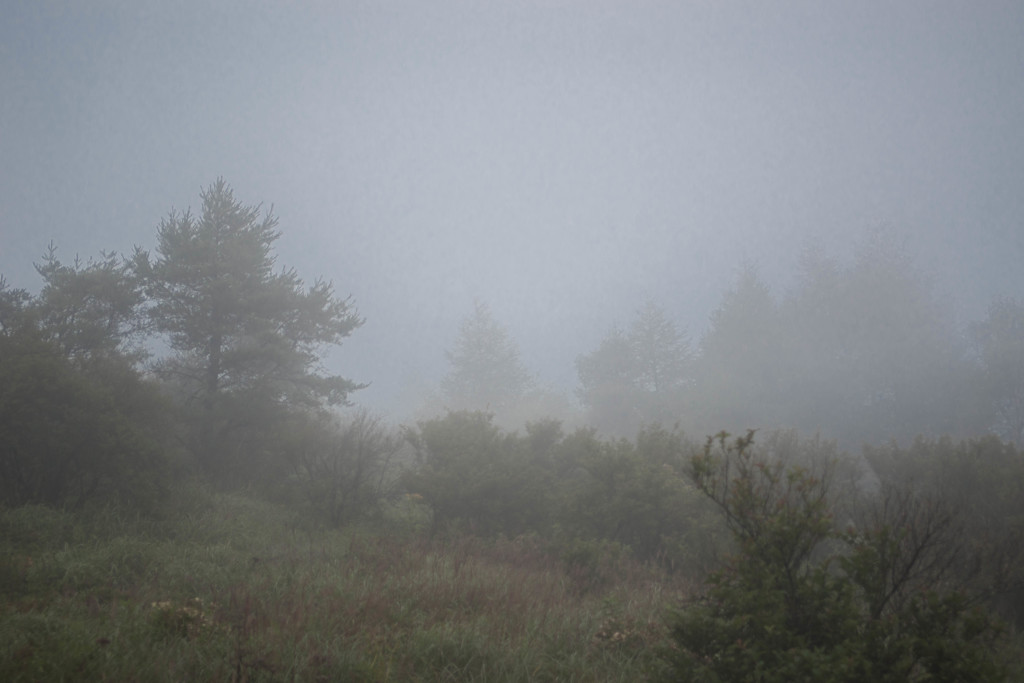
(485, 370)
(246, 340)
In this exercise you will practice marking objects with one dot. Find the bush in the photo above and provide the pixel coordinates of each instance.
(635, 494)
(345, 470)
(473, 475)
(780, 612)
(980, 483)
(72, 432)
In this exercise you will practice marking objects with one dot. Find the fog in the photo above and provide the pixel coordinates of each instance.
(563, 162)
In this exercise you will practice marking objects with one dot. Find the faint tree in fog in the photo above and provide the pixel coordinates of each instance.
(661, 351)
(485, 370)
(999, 340)
(738, 374)
(872, 355)
(247, 340)
(861, 353)
(637, 376)
(607, 384)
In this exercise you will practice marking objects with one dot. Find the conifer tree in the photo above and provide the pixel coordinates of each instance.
(246, 338)
(486, 372)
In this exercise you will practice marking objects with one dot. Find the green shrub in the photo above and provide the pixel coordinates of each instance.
(779, 612)
(475, 477)
(634, 494)
(72, 432)
(981, 484)
(345, 470)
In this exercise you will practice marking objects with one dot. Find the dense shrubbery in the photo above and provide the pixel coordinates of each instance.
(832, 575)
(70, 433)
(634, 493)
(804, 599)
(574, 487)
(979, 483)
(478, 478)
(344, 469)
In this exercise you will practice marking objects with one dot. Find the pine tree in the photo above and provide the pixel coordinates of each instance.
(246, 339)
(486, 372)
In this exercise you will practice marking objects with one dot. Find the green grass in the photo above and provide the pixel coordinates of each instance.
(231, 588)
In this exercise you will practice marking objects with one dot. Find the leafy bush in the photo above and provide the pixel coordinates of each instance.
(70, 433)
(345, 469)
(472, 474)
(980, 483)
(778, 611)
(635, 494)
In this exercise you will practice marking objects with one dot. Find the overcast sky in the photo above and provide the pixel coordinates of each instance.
(561, 160)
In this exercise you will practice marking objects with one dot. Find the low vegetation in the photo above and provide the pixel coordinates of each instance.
(243, 590)
(808, 580)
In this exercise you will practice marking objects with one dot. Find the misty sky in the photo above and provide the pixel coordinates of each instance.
(559, 160)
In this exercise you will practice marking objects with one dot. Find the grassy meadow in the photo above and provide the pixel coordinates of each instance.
(233, 588)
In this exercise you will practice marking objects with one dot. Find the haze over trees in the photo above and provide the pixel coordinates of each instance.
(485, 370)
(640, 394)
(138, 382)
(638, 376)
(999, 340)
(860, 351)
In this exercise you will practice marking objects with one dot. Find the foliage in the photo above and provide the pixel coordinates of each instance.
(784, 610)
(67, 435)
(346, 468)
(584, 493)
(90, 310)
(13, 307)
(632, 493)
(246, 339)
(485, 371)
(77, 421)
(470, 473)
(979, 484)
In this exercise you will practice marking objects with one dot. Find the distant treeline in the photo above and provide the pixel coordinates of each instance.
(862, 352)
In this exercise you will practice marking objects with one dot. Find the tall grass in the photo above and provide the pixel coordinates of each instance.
(231, 588)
